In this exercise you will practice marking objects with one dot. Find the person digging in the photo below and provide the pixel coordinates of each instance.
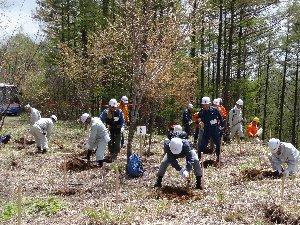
(282, 152)
(42, 130)
(179, 148)
(98, 137)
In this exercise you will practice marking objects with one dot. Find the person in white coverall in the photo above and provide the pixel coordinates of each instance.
(98, 138)
(282, 152)
(235, 120)
(34, 115)
(42, 130)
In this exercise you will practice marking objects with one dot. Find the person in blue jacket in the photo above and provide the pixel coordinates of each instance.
(179, 148)
(212, 122)
(187, 119)
(114, 119)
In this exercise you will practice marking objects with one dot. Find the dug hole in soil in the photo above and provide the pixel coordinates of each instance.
(175, 193)
(76, 164)
(275, 214)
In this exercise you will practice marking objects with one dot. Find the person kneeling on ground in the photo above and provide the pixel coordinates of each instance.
(253, 130)
(42, 130)
(282, 152)
(179, 148)
(98, 138)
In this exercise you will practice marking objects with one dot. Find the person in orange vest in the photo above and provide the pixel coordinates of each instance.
(222, 109)
(253, 128)
(123, 105)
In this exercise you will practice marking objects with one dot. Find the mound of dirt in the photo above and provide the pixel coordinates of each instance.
(177, 193)
(275, 214)
(76, 164)
(257, 174)
(26, 141)
(66, 192)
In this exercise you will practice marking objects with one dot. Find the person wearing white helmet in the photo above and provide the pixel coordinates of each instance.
(113, 117)
(235, 120)
(179, 148)
(42, 131)
(212, 123)
(187, 119)
(281, 153)
(123, 105)
(98, 137)
(177, 132)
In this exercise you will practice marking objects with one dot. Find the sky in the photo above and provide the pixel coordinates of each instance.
(17, 15)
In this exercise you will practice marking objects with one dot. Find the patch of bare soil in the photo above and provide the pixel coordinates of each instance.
(276, 214)
(175, 193)
(257, 174)
(77, 164)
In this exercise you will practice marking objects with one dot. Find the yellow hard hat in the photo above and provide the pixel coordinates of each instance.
(256, 119)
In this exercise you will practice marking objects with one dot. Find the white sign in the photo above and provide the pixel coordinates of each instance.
(141, 130)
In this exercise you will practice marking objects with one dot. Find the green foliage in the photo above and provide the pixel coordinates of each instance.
(47, 207)
(9, 210)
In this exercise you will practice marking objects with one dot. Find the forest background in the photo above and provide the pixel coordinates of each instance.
(162, 55)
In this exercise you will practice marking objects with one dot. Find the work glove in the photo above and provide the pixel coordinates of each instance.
(122, 129)
(107, 138)
(285, 173)
(184, 173)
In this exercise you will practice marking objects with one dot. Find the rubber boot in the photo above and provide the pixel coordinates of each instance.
(100, 163)
(88, 155)
(198, 183)
(44, 151)
(158, 182)
(39, 150)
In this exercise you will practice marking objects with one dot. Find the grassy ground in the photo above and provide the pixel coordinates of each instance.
(233, 194)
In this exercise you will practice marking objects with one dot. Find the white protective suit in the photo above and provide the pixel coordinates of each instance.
(34, 116)
(235, 120)
(98, 138)
(287, 153)
(42, 130)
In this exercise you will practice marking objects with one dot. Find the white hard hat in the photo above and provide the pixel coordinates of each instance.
(205, 100)
(216, 101)
(190, 106)
(240, 102)
(84, 117)
(177, 128)
(113, 102)
(124, 99)
(220, 100)
(176, 145)
(274, 144)
(53, 117)
(27, 106)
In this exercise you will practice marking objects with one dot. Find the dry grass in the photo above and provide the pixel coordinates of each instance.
(236, 193)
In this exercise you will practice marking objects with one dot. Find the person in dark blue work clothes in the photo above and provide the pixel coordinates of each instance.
(213, 124)
(187, 119)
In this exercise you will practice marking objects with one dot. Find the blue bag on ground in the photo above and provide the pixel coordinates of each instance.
(4, 138)
(135, 166)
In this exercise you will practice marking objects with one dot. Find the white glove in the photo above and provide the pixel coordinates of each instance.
(107, 138)
(122, 129)
(285, 173)
(184, 173)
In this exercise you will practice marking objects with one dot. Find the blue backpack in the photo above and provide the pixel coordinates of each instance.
(135, 166)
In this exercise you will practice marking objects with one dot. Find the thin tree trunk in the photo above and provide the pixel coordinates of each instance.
(218, 70)
(266, 90)
(283, 87)
(295, 116)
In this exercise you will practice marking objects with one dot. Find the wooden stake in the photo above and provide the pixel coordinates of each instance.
(65, 177)
(270, 133)
(282, 188)
(117, 186)
(202, 168)
(141, 141)
(19, 205)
